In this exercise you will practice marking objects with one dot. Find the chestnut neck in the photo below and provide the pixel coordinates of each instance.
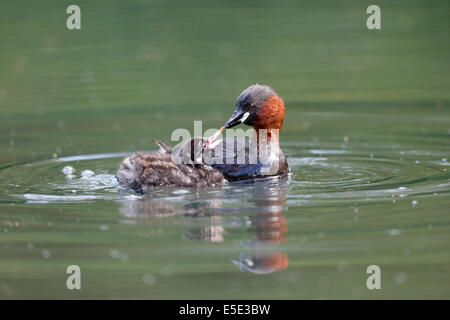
(270, 117)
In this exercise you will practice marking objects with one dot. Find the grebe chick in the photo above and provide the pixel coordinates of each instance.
(181, 166)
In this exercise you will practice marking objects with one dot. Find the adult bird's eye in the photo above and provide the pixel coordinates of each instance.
(252, 107)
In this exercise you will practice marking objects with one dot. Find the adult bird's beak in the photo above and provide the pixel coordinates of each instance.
(238, 117)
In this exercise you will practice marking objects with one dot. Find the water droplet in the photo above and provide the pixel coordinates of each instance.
(85, 174)
(46, 254)
(60, 124)
(7, 289)
(68, 170)
(401, 277)
(114, 254)
(395, 232)
(148, 279)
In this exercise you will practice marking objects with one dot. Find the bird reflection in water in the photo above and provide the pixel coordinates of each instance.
(262, 254)
(270, 228)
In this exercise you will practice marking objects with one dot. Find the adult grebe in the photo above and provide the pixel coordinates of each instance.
(258, 106)
(238, 159)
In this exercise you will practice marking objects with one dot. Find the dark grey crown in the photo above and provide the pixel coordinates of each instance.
(255, 95)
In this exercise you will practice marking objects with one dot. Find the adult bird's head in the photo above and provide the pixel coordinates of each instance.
(258, 106)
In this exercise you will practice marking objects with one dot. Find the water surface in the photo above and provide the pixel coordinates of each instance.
(366, 136)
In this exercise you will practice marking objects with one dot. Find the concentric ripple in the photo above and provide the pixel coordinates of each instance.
(346, 174)
(317, 175)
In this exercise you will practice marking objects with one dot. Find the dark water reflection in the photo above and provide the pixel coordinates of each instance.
(266, 220)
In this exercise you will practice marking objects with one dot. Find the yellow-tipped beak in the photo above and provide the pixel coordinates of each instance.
(211, 144)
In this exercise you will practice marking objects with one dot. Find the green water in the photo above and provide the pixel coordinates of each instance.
(366, 135)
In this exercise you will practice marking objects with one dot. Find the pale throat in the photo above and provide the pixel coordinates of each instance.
(267, 137)
(271, 132)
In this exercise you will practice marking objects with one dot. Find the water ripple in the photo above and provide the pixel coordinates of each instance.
(342, 175)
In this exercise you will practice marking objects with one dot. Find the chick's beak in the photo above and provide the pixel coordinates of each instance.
(214, 144)
(209, 143)
(238, 117)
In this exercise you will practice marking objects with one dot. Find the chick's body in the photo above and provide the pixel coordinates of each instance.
(142, 171)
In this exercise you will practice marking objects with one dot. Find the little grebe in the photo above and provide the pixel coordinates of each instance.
(257, 106)
(260, 107)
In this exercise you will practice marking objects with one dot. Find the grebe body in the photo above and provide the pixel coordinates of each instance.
(257, 106)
